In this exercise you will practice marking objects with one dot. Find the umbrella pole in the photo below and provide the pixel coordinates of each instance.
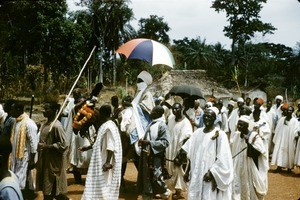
(65, 101)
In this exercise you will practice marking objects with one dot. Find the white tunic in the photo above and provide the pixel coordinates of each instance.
(206, 154)
(249, 182)
(179, 131)
(285, 143)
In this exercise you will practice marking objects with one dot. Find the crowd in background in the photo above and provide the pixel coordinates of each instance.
(210, 152)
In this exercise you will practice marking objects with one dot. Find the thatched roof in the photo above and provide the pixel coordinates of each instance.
(196, 78)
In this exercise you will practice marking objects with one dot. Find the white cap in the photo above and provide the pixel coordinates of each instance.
(231, 102)
(2, 113)
(245, 118)
(215, 109)
(279, 97)
(209, 104)
(146, 77)
(240, 99)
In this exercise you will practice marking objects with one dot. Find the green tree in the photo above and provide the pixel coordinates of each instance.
(244, 21)
(154, 28)
(110, 27)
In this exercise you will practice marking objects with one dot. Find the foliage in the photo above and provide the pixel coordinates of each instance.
(154, 28)
(110, 27)
(244, 21)
(42, 48)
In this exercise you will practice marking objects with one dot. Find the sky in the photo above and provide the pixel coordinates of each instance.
(195, 18)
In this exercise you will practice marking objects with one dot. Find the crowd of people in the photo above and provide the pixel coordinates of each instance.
(209, 152)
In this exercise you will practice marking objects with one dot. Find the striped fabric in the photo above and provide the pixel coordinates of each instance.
(99, 184)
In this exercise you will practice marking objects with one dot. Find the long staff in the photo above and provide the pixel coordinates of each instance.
(63, 105)
(31, 106)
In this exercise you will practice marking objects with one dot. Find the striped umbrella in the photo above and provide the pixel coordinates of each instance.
(147, 50)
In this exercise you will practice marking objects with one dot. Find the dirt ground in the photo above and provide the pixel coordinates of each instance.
(281, 186)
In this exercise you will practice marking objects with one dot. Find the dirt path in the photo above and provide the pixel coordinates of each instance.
(281, 186)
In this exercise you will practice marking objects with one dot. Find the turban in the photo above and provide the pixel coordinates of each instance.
(245, 118)
(298, 102)
(240, 99)
(146, 77)
(2, 114)
(208, 104)
(231, 102)
(284, 106)
(211, 99)
(260, 101)
(214, 109)
(279, 97)
(161, 98)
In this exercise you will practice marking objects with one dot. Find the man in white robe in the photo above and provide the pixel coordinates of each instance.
(284, 141)
(234, 117)
(104, 174)
(277, 108)
(77, 161)
(260, 122)
(250, 162)
(24, 147)
(271, 119)
(180, 130)
(142, 105)
(210, 171)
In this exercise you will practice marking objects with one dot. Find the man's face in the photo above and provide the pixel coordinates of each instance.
(209, 118)
(299, 106)
(289, 111)
(256, 105)
(230, 107)
(278, 101)
(242, 126)
(177, 110)
(269, 104)
(47, 112)
(248, 100)
(240, 104)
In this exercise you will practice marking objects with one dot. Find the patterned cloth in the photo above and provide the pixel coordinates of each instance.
(99, 184)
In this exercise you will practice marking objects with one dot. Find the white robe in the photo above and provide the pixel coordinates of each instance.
(249, 182)
(271, 119)
(77, 158)
(179, 131)
(232, 123)
(20, 166)
(263, 130)
(206, 154)
(297, 156)
(285, 143)
(100, 184)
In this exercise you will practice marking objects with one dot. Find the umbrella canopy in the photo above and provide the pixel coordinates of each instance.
(148, 50)
(186, 91)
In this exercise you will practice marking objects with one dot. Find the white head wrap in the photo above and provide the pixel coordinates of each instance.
(279, 97)
(231, 102)
(245, 118)
(209, 104)
(215, 109)
(240, 99)
(161, 98)
(298, 103)
(2, 113)
(146, 77)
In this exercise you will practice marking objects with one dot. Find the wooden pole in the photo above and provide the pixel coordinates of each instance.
(79, 75)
